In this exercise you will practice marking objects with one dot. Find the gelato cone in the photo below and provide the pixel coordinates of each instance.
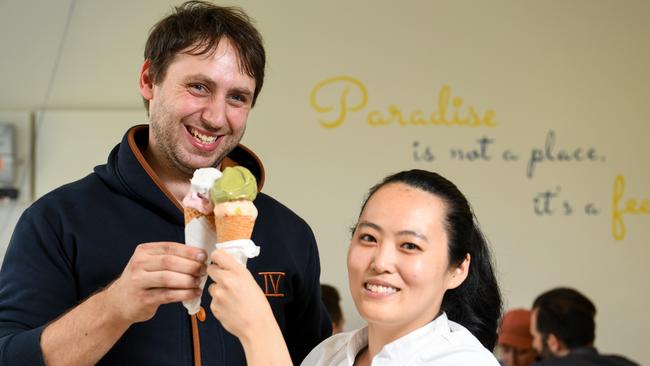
(191, 214)
(219, 207)
(234, 227)
(234, 211)
(199, 221)
(234, 220)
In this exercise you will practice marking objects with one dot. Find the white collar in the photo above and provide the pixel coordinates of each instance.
(402, 348)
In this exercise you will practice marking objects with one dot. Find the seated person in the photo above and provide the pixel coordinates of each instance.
(332, 300)
(419, 272)
(564, 330)
(515, 341)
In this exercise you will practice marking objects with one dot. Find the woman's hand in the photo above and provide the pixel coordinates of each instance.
(241, 307)
(237, 301)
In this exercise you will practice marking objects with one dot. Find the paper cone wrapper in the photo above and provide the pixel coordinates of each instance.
(199, 233)
(241, 249)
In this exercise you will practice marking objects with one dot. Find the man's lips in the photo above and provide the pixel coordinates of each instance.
(203, 140)
(202, 136)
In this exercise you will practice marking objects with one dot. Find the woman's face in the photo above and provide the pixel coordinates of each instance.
(398, 265)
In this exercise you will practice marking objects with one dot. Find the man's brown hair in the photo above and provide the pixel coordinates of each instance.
(195, 28)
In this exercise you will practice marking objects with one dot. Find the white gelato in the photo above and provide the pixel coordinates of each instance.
(203, 179)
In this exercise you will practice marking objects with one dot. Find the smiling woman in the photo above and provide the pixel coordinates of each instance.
(419, 272)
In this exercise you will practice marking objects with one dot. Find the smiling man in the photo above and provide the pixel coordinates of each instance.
(96, 270)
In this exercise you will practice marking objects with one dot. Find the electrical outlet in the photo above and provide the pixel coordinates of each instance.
(7, 155)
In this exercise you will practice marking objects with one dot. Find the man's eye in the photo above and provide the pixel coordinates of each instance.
(239, 98)
(198, 87)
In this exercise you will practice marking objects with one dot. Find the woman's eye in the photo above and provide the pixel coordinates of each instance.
(410, 246)
(367, 238)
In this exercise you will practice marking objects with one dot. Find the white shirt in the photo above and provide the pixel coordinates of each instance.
(441, 342)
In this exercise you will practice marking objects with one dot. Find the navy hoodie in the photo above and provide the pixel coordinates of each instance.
(78, 238)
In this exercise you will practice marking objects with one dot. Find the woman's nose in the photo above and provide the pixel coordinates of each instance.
(383, 258)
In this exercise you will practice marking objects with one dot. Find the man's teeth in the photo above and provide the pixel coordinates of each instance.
(204, 139)
(380, 289)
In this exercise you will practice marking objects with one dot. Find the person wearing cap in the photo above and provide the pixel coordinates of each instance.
(515, 341)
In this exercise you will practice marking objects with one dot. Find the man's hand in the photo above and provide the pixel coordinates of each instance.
(157, 273)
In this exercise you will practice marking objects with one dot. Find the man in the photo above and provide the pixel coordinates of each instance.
(332, 301)
(95, 272)
(563, 329)
(515, 341)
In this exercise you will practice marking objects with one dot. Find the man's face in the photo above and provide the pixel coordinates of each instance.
(540, 341)
(198, 112)
(537, 337)
(515, 356)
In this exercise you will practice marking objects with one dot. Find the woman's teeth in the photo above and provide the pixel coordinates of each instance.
(201, 137)
(380, 289)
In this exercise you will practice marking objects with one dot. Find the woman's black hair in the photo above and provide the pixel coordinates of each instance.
(476, 303)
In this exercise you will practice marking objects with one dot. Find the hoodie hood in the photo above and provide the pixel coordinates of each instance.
(128, 173)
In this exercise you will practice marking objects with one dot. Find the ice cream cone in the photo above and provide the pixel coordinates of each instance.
(234, 227)
(191, 213)
(234, 220)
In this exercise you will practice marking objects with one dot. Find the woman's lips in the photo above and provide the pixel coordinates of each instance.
(380, 288)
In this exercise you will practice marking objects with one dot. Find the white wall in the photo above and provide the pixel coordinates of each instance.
(577, 68)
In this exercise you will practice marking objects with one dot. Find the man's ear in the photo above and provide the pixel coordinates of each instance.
(459, 273)
(555, 345)
(146, 84)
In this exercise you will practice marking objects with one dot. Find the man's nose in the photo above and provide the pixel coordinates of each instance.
(509, 358)
(214, 113)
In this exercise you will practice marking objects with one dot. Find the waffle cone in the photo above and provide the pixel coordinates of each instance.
(232, 227)
(191, 214)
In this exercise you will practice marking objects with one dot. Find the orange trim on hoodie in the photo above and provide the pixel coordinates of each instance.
(227, 162)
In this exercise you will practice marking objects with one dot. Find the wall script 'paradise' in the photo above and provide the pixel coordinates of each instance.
(348, 94)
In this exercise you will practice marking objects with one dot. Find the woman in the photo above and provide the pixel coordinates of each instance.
(419, 272)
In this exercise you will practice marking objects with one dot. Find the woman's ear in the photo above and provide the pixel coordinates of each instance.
(146, 84)
(459, 273)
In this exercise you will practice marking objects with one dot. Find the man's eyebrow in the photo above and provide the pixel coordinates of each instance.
(201, 78)
(209, 82)
(245, 91)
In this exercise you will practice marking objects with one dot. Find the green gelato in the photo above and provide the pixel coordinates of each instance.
(236, 183)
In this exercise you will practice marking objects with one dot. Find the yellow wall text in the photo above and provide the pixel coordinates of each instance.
(347, 94)
(622, 206)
